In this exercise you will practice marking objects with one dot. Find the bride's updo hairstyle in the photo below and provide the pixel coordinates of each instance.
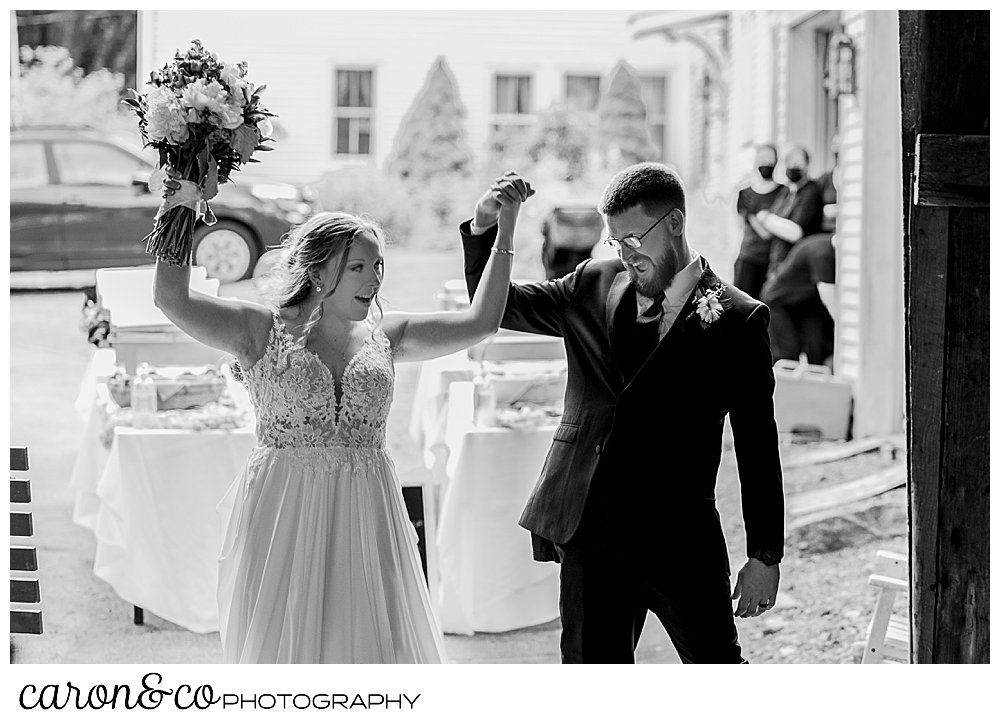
(308, 247)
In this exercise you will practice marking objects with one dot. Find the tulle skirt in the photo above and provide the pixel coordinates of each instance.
(320, 564)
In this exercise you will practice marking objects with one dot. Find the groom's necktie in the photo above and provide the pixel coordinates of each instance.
(649, 325)
(642, 337)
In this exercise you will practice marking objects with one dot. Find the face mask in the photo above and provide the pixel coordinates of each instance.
(765, 171)
(794, 174)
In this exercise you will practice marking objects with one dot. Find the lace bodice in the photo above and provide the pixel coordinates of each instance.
(293, 394)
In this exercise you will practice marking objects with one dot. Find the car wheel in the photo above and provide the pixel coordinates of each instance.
(226, 249)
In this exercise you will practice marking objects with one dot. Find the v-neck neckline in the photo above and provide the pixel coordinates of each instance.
(338, 382)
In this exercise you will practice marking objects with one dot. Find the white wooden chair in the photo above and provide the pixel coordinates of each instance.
(888, 636)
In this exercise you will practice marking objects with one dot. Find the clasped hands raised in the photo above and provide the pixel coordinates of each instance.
(502, 201)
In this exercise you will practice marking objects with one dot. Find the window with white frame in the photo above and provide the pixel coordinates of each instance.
(583, 93)
(654, 95)
(354, 108)
(512, 110)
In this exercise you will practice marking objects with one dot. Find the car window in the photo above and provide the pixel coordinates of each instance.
(27, 166)
(94, 163)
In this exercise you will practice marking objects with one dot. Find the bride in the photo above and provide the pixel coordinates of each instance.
(319, 560)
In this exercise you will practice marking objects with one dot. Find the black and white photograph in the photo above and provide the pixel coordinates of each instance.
(490, 335)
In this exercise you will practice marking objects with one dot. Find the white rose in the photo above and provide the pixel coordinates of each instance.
(265, 127)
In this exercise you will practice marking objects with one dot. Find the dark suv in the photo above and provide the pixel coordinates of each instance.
(80, 199)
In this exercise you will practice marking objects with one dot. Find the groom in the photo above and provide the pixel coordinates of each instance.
(659, 351)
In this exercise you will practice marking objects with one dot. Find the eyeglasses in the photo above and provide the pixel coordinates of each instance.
(632, 241)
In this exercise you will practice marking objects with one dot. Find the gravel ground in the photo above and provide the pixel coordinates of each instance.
(824, 602)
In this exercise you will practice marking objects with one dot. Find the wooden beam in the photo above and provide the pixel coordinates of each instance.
(840, 451)
(925, 322)
(963, 547)
(846, 498)
(952, 170)
(946, 251)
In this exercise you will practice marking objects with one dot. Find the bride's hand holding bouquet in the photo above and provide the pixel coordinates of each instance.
(206, 120)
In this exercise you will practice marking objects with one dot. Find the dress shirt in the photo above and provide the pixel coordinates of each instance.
(675, 295)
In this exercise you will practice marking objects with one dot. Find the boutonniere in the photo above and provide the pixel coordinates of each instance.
(709, 304)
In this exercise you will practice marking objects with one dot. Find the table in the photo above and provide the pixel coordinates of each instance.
(158, 533)
(429, 414)
(150, 502)
(488, 579)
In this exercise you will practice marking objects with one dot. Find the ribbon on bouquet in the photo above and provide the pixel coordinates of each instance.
(189, 194)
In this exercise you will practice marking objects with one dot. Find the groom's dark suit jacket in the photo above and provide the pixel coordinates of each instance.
(652, 445)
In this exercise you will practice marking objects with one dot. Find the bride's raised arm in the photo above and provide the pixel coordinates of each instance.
(420, 336)
(238, 327)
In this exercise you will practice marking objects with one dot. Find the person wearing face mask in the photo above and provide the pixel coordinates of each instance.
(799, 291)
(659, 352)
(798, 210)
(750, 270)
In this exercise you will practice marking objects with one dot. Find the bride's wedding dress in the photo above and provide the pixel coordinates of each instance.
(319, 561)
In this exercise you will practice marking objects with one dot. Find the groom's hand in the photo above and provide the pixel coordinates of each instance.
(488, 207)
(756, 588)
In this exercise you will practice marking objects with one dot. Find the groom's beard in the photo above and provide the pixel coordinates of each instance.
(652, 284)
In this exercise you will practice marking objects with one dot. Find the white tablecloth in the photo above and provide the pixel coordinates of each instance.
(429, 415)
(158, 533)
(150, 501)
(488, 579)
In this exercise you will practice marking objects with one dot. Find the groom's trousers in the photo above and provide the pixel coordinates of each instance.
(605, 592)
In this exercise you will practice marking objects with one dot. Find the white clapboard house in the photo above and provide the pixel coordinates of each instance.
(341, 81)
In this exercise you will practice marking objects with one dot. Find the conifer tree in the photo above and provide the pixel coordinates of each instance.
(622, 132)
(432, 139)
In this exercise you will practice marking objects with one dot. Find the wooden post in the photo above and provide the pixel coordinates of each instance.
(946, 283)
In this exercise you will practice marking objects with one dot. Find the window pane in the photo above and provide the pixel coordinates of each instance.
(27, 165)
(364, 135)
(524, 94)
(364, 88)
(583, 92)
(343, 88)
(343, 135)
(354, 88)
(513, 94)
(502, 101)
(94, 163)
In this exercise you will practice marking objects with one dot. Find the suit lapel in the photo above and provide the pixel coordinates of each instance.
(615, 294)
(618, 288)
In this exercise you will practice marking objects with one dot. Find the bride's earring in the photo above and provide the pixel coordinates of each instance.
(319, 288)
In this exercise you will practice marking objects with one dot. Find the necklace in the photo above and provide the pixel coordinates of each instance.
(343, 353)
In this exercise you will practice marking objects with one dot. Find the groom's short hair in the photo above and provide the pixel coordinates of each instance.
(653, 186)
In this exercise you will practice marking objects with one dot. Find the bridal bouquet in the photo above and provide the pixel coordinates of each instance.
(206, 121)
